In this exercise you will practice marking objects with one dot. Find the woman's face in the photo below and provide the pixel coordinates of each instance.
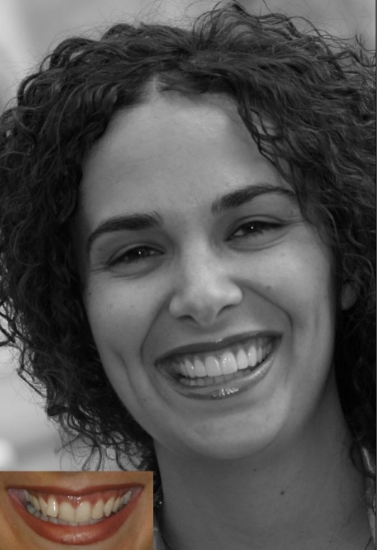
(210, 298)
(79, 497)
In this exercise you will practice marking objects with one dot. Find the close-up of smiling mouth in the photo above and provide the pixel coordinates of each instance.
(220, 370)
(71, 518)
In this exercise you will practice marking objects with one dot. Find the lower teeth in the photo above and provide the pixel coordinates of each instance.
(210, 380)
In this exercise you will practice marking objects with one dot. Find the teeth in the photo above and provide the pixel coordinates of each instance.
(97, 510)
(230, 361)
(52, 507)
(252, 356)
(109, 506)
(35, 503)
(212, 366)
(66, 512)
(200, 369)
(242, 360)
(83, 514)
(116, 504)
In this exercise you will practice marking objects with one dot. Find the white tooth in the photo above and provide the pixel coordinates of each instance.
(252, 356)
(108, 508)
(97, 510)
(83, 512)
(190, 368)
(35, 503)
(199, 367)
(66, 512)
(52, 507)
(116, 504)
(27, 495)
(242, 360)
(228, 363)
(43, 505)
(212, 366)
(127, 497)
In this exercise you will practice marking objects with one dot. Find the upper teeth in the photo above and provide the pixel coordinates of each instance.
(227, 361)
(84, 511)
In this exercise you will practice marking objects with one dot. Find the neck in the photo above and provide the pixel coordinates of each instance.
(303, 495)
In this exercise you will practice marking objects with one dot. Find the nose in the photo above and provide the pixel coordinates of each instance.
(204, 289)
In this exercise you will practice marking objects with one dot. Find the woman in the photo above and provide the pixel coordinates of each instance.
(55, 510)
(187, 253)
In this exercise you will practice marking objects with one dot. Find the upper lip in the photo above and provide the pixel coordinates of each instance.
(75, 492)
(203, 347)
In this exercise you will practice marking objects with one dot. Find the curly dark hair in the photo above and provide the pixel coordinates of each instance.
(317, 91)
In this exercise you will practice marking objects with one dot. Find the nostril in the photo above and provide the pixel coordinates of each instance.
(204, 307)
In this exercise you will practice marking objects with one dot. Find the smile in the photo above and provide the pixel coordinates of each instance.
(75, 519)
(223, 371)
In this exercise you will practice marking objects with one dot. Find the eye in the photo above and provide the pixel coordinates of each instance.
(135, 255)
(254, 228)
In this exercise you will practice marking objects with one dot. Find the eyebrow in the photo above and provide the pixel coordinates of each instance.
(132, 222)
(140, 222)
(246, 194)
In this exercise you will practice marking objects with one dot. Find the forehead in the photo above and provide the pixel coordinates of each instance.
(171, 149)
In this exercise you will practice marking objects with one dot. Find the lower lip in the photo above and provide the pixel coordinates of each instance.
(79, 535)
(227, 390)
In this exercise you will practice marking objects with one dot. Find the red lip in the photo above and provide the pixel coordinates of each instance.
(79, 535)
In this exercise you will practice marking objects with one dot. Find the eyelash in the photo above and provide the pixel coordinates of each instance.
(145, 252)
(259, 228)
(126, 257)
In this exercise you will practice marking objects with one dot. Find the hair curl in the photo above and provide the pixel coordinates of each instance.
(319, 94)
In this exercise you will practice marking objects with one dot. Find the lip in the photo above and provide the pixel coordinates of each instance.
(79, 535)
(231, 388)
(214, 346)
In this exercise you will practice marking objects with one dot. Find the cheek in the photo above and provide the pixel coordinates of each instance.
(121, 314)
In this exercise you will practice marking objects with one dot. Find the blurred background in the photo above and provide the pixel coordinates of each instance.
(29, 29)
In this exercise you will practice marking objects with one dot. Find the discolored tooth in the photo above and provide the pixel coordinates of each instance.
(252, 356)
(212, 366)
(83, 512)
(199, 368)
(242, 360)
(108, 508)
(35, 503)
(52, 507)
(127, 497)
(97, 510)
(66, 512)
(189, 367)
(228, 363)
(116, 504)
(43, 505)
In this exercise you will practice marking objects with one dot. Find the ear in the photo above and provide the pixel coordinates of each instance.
(348, 295)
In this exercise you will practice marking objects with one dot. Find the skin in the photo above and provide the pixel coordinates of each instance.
(201, 277)
(135, 534)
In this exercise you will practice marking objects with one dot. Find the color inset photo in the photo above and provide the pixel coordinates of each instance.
(90, 510)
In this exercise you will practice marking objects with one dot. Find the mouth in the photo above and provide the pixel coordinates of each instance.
(222, 371)
(75, 519)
